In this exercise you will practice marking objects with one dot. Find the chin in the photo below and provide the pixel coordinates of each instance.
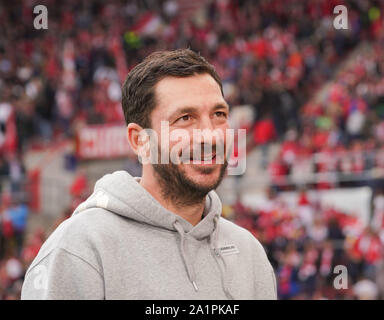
(208, 180)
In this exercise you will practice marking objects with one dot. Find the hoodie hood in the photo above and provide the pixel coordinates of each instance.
(122, 194)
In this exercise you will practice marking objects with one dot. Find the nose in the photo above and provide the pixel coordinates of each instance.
(206, 123)
(206, 132)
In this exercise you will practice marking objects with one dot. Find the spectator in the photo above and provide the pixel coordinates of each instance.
(18, 214)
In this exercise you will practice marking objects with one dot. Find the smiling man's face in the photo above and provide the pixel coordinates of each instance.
(191, 103)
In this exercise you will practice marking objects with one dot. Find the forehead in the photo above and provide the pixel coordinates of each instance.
(200, 90)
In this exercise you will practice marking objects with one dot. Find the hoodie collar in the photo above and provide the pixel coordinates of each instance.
(123, 194)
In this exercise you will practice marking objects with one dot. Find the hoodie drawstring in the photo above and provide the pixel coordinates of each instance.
(187, 263)
(214, 242)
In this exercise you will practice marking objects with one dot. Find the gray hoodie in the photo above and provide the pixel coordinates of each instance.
(122, 244)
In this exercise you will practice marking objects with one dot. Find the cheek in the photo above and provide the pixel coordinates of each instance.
(223, 135)
(179, 148)
(225, 145)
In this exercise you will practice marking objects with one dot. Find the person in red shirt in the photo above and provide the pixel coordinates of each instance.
(264, 132)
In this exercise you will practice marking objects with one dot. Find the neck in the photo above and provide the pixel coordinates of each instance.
(192, 212)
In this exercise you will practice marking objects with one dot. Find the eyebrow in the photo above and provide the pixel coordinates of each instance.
(191, 109)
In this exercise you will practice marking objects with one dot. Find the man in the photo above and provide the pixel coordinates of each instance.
(160, 236)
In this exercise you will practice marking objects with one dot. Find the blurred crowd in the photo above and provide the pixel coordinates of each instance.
(270, 54)
(273, 55)
(343, 131)
(15, 253)
(310, 244)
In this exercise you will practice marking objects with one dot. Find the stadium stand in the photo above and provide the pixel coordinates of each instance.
(316, 95)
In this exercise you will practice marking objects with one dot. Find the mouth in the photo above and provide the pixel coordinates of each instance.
(204, 160)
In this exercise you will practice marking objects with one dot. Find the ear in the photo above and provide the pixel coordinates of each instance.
(133, 133)
(143, 142)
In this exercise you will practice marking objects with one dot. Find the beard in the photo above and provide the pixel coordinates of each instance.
(179, 188)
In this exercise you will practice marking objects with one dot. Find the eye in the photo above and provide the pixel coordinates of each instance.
(220, 114)
(184, 118)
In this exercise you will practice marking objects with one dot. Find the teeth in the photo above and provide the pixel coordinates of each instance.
(206, 158)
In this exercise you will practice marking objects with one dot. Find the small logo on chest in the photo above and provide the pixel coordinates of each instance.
(228, 249)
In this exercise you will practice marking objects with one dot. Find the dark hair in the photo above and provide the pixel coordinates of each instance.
(138, 96)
